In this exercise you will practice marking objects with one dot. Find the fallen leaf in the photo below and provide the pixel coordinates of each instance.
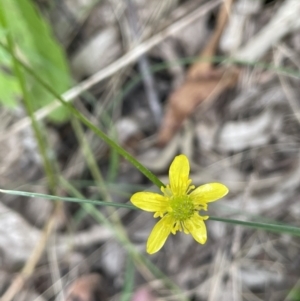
(183, 102)
(203, 82)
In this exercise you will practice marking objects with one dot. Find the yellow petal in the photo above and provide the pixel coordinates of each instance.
(149, 201)
(196, 226)
(208, 193)
(159, 234)
(179, 175)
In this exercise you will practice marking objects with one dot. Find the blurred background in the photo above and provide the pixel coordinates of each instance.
(216, 80)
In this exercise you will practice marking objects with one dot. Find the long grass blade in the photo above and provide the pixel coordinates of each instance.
(279, 228)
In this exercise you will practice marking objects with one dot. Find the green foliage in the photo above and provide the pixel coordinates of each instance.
(36, 46)
(294, 294)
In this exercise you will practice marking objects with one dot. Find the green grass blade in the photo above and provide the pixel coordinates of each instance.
(67, 199)
(38, 47)
(279, 228)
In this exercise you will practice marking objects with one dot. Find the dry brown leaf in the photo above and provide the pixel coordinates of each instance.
(202, 82)
(86, 288)
(183, 102)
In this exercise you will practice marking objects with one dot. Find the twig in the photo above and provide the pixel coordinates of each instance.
(122, 62)
(32, 261)
(203, 82)
(54, 269)
(289, 93)
(283, 22)
(144, 67)
(238, 231)
(220, 261)
(209, 50)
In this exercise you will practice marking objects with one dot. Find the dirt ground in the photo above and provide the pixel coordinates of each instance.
(217, 80)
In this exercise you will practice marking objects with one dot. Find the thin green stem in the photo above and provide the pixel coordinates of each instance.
(85, 121)
(263, 226)
(281, 228)
(67, 199)
(93, 167)
(89, 157)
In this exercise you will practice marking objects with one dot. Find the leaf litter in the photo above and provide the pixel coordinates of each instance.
(237, 124)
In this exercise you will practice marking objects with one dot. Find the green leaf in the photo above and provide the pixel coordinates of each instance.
(294, 294)
(37, 46)
(9, 88)
(9, 85)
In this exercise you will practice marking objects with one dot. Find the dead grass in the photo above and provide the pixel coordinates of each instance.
(246, 137)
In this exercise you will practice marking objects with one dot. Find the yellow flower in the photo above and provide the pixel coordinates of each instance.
(179, 205)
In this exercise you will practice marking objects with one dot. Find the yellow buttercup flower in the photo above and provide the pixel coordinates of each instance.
(179, 205)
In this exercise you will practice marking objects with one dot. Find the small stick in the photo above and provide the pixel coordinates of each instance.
(209, 50)
(33, 260)
(144, 67)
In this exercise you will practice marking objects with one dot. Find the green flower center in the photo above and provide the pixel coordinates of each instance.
(182, 207)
